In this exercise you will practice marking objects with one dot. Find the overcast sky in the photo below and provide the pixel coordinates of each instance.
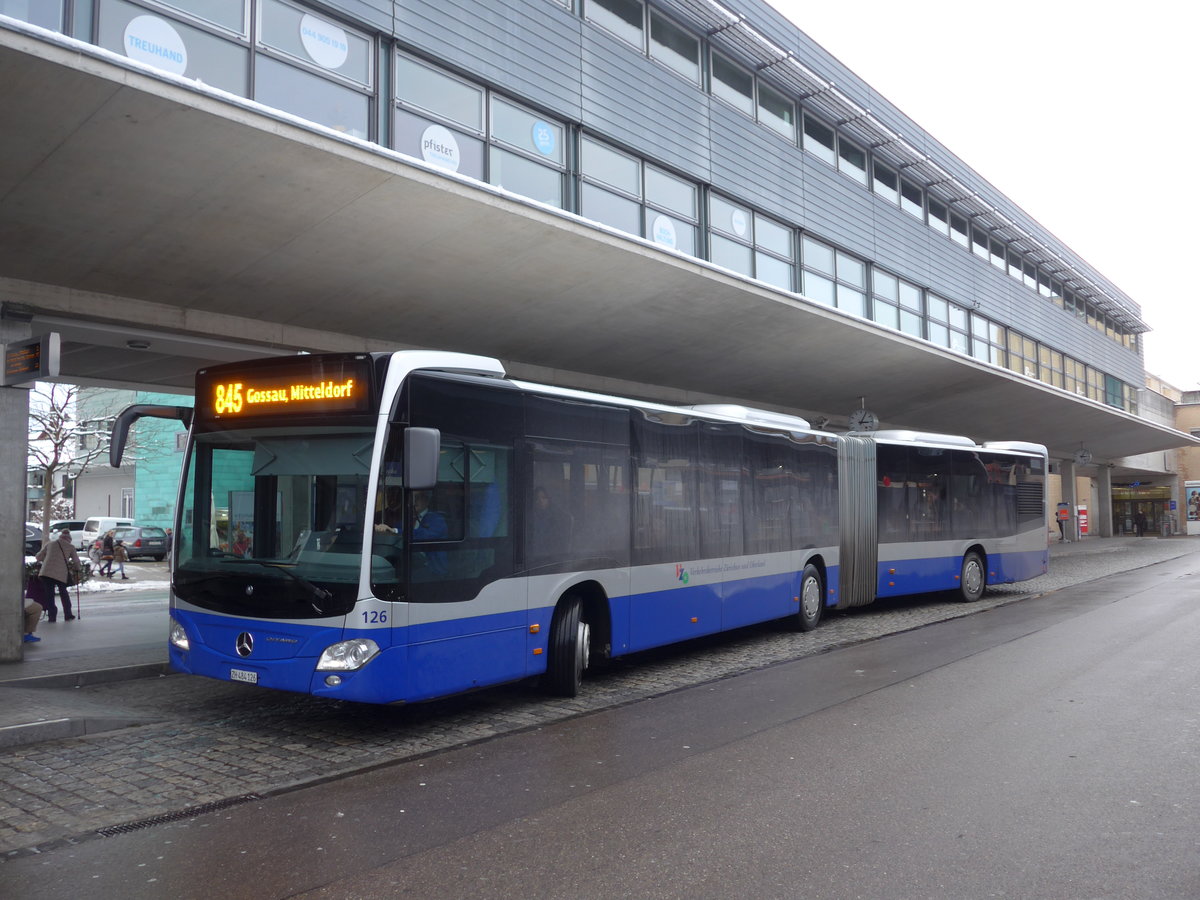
(1083, 113)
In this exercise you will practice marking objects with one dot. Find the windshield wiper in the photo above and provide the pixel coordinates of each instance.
(318, 593)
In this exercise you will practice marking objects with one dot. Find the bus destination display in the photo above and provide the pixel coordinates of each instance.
(303, 390)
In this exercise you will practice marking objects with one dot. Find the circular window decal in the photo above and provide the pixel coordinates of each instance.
(663, 231)
(440, 148)
(153, 41)
(545, 140)
(737, 221)
(325, 42)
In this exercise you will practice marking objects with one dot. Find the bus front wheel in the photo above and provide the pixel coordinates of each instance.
(972, 579)
(812, 599)
(570, 639)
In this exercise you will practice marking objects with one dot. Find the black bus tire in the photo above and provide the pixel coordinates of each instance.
(973, 578)
(812, 599)
(570, 636)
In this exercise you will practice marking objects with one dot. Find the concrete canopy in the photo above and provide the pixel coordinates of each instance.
(135, 206)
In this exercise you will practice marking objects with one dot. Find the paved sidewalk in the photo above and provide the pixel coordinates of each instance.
(68, 714)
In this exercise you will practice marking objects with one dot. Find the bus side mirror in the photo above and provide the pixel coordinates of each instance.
(422, 447)
(129, 415)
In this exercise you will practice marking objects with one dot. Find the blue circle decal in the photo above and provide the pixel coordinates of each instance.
(544, 138)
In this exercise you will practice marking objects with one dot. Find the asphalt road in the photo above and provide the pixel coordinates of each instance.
(1041, 749)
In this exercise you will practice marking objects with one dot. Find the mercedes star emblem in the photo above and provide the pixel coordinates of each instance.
(245, 644)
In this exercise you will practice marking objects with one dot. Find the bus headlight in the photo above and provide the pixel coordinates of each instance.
(178, 637)
(347, 656)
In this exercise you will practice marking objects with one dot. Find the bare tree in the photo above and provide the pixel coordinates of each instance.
(62, 444)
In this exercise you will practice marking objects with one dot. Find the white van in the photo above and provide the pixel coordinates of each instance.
(95, 528)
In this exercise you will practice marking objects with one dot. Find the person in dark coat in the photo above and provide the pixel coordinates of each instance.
(58, 559)
(107, 552)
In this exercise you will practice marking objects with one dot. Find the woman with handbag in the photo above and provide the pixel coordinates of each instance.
(60, 563)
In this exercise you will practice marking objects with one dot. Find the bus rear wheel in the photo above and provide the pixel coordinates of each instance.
(570, 642)
(812, 599)
(972, 579)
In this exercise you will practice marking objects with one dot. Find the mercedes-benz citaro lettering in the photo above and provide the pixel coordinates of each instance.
(391, 527)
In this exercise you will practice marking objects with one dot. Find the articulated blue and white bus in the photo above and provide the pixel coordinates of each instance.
(390, 527)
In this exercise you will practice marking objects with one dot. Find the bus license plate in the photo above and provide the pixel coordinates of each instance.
(243, 675)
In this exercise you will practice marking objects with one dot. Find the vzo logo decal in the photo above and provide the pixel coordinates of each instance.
(681, 573)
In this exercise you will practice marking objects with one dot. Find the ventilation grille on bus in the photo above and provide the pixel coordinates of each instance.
(1029, 499)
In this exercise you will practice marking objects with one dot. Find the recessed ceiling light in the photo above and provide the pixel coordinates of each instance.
(138, 345)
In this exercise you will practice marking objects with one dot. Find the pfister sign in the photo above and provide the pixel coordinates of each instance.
(153, 41)
(439, 148)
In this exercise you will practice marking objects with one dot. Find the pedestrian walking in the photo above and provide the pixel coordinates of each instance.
(107, 549)
(120, 557)
(60, 569)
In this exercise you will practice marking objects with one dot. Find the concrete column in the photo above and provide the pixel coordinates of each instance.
(14, 461)
(1066, 475)
(1104, 502)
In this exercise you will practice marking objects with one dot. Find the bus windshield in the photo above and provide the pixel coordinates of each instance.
(273, 521)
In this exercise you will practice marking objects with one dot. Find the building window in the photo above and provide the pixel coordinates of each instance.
(774, 253)
(896, 303)
(885, 298)
(776, 111)
(959, 230)
(911, 313)
(1050, 366)
(912, 199)
(127, 503)
(988, 341)
(939, 217)
(671, 210)
(1074, 376)
(731, 238)
(749, 243)
(46, 14)
(1014, 264)
(526, 154)
(960, 339)
(219, 59)
(620, 17)
(732, 84)
(439, 118)
(886, 182)
(674, 47)
(228, 14)
(313, 97)
(315, 68)
(833, 278)
(819, 139)
(979, 242)
(997, 254)
(852, 161)
(622, 191)
(1022, 355)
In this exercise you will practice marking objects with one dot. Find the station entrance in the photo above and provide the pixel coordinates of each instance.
(1143, 510)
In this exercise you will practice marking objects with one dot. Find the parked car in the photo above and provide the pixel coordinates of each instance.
(97, 526)
(33, 538)
(75, 526)
(143, 540)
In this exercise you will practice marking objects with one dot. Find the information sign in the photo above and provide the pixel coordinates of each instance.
(30, 360)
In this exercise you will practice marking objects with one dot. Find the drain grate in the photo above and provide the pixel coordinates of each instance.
(190, 813)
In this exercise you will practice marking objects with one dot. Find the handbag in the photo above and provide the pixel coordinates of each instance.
(73, 569)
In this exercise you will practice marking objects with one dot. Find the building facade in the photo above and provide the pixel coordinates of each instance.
(717, 130)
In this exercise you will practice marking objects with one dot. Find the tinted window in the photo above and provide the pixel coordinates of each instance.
(665, 506)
